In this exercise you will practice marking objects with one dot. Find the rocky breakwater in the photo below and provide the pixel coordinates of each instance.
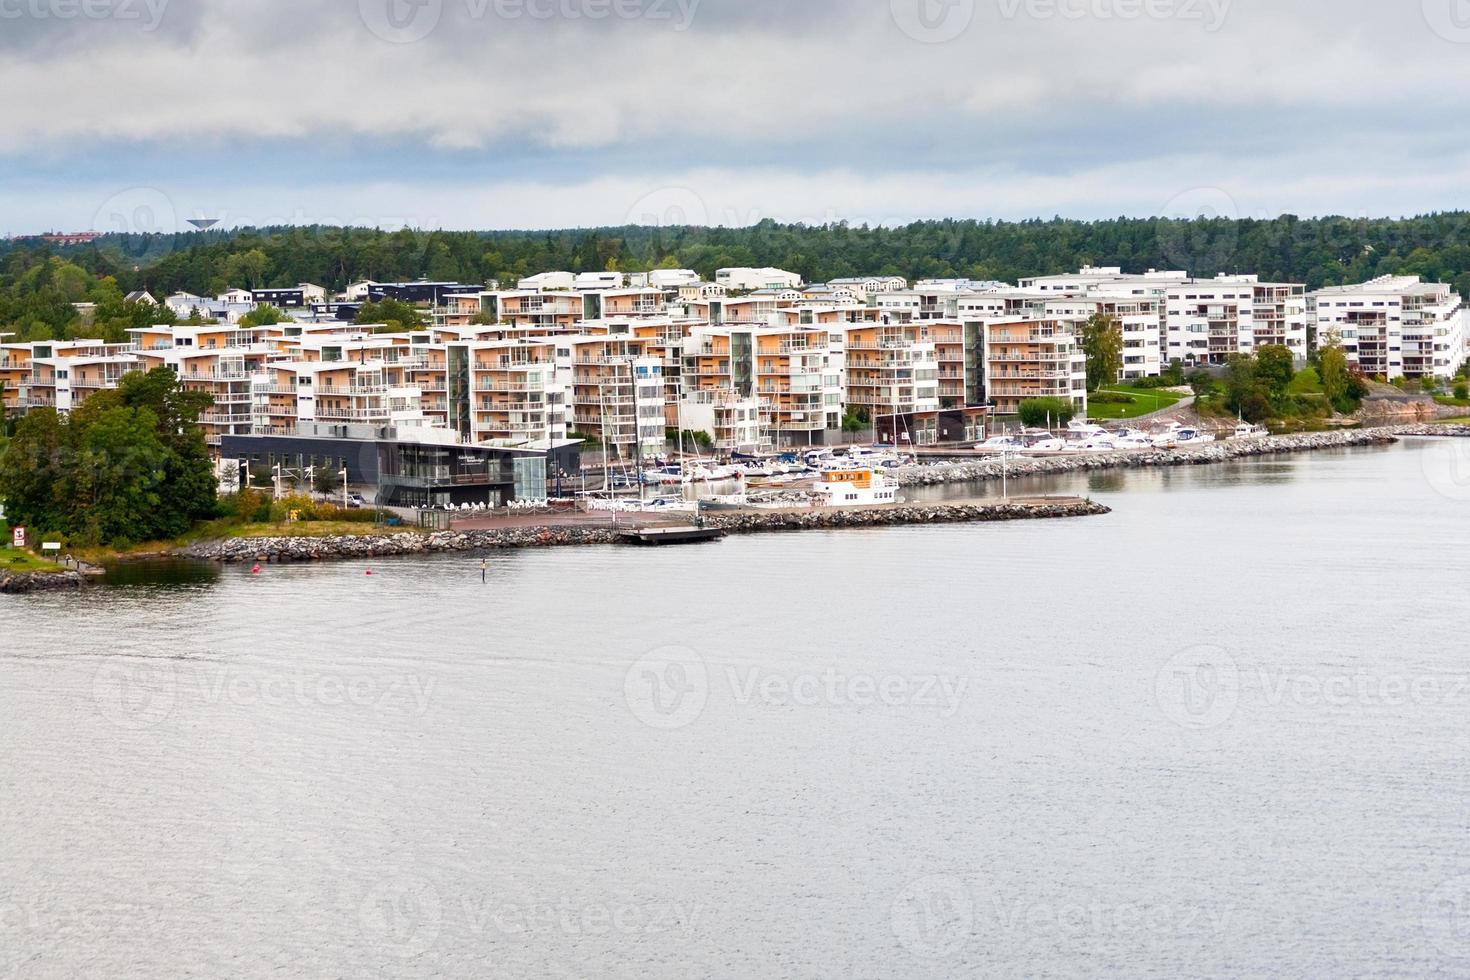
(1448, 431)
(19, 583)
(1220, 452)
(293, 549)
(757, 522)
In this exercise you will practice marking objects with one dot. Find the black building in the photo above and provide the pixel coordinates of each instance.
(401, 473)
(416, 293)
(281, 298)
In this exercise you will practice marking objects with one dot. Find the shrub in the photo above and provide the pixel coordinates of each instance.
(1111, 398)
(1462, 392)
(1036, 412)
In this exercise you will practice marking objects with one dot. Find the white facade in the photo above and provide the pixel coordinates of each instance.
(751, 279)
(1394, 326)
(1208, 320)
(597, 280)
(672, 278)
(547, 280)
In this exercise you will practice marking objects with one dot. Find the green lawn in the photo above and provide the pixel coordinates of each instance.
(15, 560)
(1145, 400)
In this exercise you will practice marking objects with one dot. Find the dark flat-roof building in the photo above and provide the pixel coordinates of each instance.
(406, 473)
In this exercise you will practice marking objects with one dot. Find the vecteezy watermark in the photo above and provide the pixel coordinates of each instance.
(1446, 465)
(932, 21)
(401, 916)
(1211, 14)
(1200, 232)
(938, 917)
(671, 687)
(668, 688)
(136, 695)
(669, 207)
(406, 21)
(1203, 687)
(833, 688)
(148, 13)
(1450, 19)
(143, 219)
(1199, 688)
(530, 917)
(933, 918)
(1446, 918)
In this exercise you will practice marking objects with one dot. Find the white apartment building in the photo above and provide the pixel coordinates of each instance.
(746, 280)
(547, 280)
(672, 278)
(1205, 321)
(866, 287)
(1394, 326)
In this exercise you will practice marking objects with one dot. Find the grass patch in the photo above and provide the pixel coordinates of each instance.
(1452, 402)
(297, 529)
(16, 560)
(1145, 401)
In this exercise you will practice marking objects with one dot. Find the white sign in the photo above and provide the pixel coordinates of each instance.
(51, 546)
(18, 537)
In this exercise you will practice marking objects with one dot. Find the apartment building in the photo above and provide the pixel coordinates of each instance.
(289, 394)
(1208, 320)
(746, 279)
(218, 359)
(864, 288)
(737, 423)
(1394, 326)
(786, 368)
(1138, 318)
(615, 390)
(517, 397)
(890, 368)
(63, 374)
(1033, 358)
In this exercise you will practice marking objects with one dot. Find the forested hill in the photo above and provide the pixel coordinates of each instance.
(36, 280)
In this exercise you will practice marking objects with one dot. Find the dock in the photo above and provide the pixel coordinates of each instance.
(659, 536)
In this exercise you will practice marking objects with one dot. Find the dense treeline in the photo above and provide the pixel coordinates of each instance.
(128, 465)
(37, 283)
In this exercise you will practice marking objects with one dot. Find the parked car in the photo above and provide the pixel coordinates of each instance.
(355, 501)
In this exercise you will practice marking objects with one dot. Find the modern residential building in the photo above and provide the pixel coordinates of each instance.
(615, 390)
(786, 368)
(1394, 326)
(890, 369)
(745, 279)
(1033, 358)
(1208, 320)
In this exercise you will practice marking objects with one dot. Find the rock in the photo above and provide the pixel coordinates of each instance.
(1222, 452)
(19, 583)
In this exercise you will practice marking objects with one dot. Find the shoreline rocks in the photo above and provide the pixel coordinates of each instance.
(911, 514)
(245, 550)
(22, 583)
(1221, 452)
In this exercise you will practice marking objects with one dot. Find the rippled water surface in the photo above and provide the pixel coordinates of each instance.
(1222, 731)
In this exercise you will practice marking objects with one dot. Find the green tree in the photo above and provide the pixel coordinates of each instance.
(393, 314)
(1334, 370)
(1275, 369)
(1102, 341)
(129, 464)
(264, 315)
(1056, 412)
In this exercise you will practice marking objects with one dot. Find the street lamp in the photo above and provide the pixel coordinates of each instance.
(343, 475)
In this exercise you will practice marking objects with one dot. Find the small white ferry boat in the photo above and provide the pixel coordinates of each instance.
(854, 486)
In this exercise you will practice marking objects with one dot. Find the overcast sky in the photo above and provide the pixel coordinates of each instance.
(558, 113)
